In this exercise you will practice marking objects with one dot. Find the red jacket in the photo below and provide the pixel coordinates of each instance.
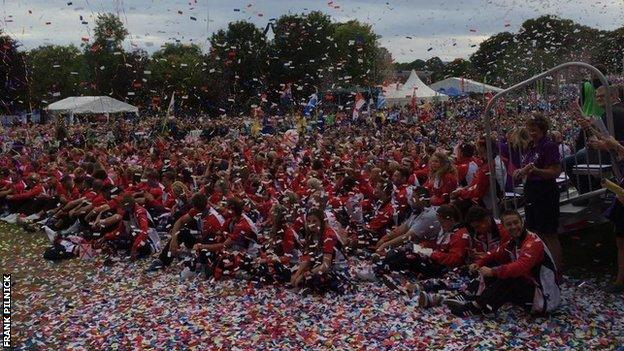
(479, 186)
(139, 218)
(28, 194)
(156, 190)
(382, 220)
(440, 193)
(513, 259)
(450, 249)
(490, 242)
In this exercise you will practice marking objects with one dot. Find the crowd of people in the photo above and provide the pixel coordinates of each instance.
(312, 206)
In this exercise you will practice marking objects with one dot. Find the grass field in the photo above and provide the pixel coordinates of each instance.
(82, 305)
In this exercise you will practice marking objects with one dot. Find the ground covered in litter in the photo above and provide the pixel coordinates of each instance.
(83, 305)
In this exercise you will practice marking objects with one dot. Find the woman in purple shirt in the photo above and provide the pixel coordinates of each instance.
(541, 165)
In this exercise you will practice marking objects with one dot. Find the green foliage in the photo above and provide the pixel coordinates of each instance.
(13, 77)
(177, 68)
(244, 65)
(56, 73)
(238, 56)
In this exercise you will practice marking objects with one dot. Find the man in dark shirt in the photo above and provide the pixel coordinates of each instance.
(582, 183)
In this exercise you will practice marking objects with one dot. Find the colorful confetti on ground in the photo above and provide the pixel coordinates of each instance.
(82, 305)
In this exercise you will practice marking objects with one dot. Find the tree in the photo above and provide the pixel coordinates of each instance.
(302, 53)
(436, 66)
(417, 65)
(238, 56)
(107, 65)
(358, 53)
(610, 51)
(458, 68)
(181, 69)
(488, 60)
(13, 79)
(55, 73)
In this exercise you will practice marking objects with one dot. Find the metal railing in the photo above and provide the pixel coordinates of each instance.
(552, 71)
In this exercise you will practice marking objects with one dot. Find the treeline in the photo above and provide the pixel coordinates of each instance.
(242, 68)
(541, 43)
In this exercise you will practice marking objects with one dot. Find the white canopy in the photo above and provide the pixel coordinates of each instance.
(91, 105)
(463, 85)
(402, 93)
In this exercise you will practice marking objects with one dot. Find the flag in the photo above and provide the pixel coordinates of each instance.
(286, 96)
(359, 103)
(414, 98)
(311, 105)
(381, 101)
(171, 103)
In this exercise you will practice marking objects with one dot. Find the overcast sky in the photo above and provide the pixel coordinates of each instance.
(410, 29)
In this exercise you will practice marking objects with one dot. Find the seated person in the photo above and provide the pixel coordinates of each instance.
(520, 271)
(323, 266)
(131, 234)
(280, 250)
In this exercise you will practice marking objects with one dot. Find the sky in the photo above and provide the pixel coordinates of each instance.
(409, 29)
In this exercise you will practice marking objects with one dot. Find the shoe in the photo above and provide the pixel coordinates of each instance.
(461, 308)
(74, 228)
(43, 220)
(366, 274)
(305, 291)
(156, 265)
(187, 273)
(29, 227)
(427, 300)
(21, 220)
(390, 282)
(413, 289)
(32, 217)
(615, 289)
(50, 233)
(12, 218)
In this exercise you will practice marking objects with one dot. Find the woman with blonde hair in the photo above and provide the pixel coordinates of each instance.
(424, 201)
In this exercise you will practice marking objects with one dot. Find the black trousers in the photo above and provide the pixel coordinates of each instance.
(184, 237)
(268, 273)
(405, 261)
(517, 291)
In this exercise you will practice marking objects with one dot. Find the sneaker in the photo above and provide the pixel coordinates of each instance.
(156, 265)
(43, 220)
(461, 308)
(615, 289)
(366, 274)
(186, 274)
(390, 282)
(305, 292)
(427, 300)
(412, 289)
(72, 229)
(12, 218)
(32, 217)
(50, 233)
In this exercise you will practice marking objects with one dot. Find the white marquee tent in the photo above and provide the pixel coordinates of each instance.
(76, 105)
(402, 93)
(463, 85)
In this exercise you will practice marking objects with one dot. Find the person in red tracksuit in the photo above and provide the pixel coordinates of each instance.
(237, 250)
(280, 250)
(383, 219)
(521, 271)
(431, 258)
(486, 235)
(422, 224)
(150, 193)
(131, 234)
(466, 163)
(24, 201)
